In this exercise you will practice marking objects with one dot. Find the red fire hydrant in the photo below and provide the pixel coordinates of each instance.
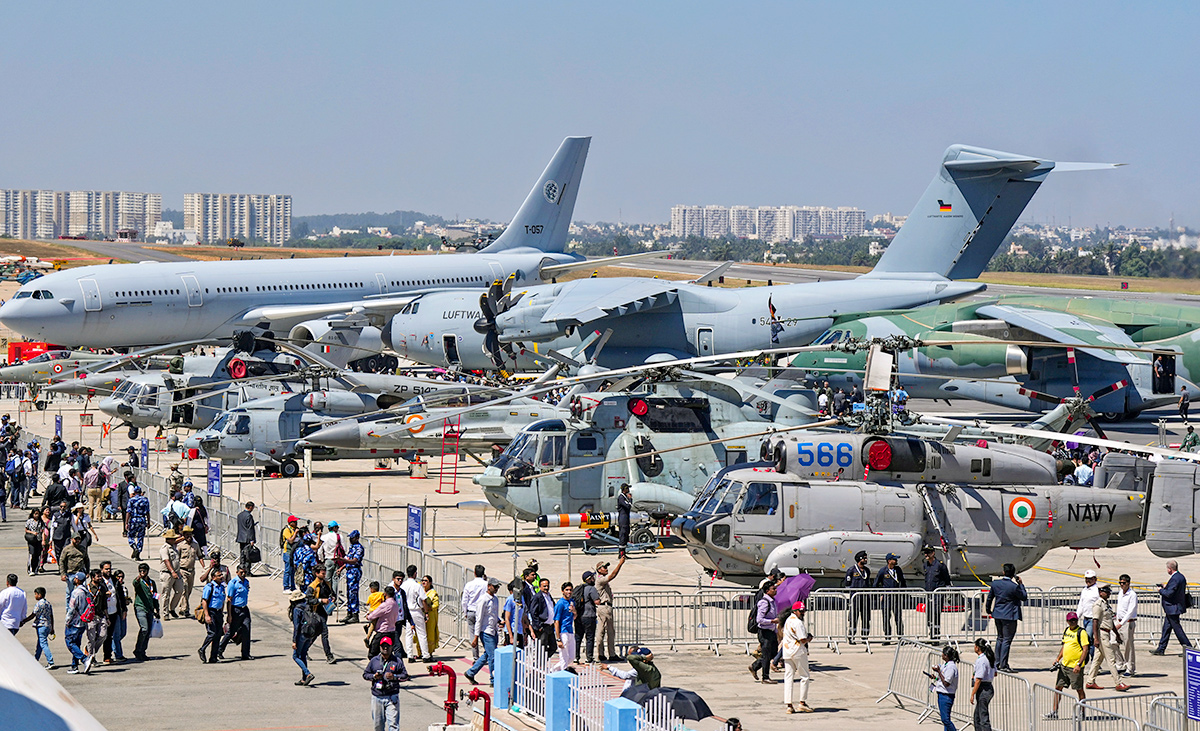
(451, 705)
(475, 695)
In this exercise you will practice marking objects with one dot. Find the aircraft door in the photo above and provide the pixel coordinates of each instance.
(585, 447)
(237, 434)
(192, 286)
(183, 414)
(758, 512)
(1164, 374)
(704, 341)
(382, 282)
(450, 347)
(91, 295)
(497, 270)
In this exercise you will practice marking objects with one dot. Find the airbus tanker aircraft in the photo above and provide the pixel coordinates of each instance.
(951, 235)
(151, 303)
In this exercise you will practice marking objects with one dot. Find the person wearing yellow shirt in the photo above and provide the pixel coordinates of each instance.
(1070, 661)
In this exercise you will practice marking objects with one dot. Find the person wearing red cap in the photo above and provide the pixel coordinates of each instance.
(385, 672)
(1070, 662)
(289, 539)
(795, 658)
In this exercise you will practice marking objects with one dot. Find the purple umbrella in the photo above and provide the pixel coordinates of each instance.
(793, 588)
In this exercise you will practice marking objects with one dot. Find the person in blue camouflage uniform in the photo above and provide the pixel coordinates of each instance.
(305, 558)
(139, 519)
(353, 564)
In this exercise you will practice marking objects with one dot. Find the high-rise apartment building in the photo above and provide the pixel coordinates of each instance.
(769, 223)
(219, 216)
(45, 214)
(716, 221)
(687, 221)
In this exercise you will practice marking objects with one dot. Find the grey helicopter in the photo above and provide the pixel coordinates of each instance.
(814, 501)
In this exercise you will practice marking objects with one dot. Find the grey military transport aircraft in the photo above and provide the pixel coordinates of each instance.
(151, 303)
(951, 235)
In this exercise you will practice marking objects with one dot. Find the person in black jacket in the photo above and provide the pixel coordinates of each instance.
(936, 577)
(858, 576)
(1005, 597)
(1174, 603)
(891, 576)
(247, 535)
(56, 492)
(624, 506)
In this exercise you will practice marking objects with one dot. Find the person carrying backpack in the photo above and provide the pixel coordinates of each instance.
(307, 624)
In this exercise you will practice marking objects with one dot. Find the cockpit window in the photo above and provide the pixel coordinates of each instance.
(123, 389)
(762, 498)
(240, 425)
(148, 396)
(22, 295)
(727, 500)
(219, 424)
(552, 450)
(43, 294)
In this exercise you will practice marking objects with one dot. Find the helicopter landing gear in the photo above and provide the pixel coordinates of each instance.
(289, 468)
(133, 432)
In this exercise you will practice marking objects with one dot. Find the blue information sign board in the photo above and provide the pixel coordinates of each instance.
(214, 477)
(1191, 682)
(415, 515)
(58, 426)
(145, 453)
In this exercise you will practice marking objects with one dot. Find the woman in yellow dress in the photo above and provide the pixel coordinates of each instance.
(431, 614)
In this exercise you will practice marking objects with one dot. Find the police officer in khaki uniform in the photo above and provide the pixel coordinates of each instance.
(1105, 641)
(189, 552)
(604, 609)
(170, 580)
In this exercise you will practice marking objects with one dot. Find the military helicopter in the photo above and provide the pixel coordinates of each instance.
(817, 500)
(576, 463)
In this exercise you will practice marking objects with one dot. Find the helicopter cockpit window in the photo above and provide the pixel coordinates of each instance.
(704, 501)
(762, 498)
(239, 425)
(674, 415)
(552, 450)
(124, 389)
(148, 396)
(219, 424)
(726, 500)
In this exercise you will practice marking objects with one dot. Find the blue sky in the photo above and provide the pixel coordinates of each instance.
(454, 108)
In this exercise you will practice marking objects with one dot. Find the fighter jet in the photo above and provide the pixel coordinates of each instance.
(951, 235)
(152, 303)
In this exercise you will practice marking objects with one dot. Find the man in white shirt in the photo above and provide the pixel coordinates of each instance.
(486, 629)
(471, 594)
(13, 606)
(1126, 624)
(416, 644)
(332, 548)
(1087, 597)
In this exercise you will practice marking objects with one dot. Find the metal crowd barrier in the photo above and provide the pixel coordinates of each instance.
(907, 680)
(1166, 713)
(1135, 706)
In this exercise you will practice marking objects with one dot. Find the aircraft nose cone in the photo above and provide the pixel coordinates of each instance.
(15, 315)
(338, 436)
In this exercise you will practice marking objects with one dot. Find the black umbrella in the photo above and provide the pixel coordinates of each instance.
(685, 704)
(637, 693)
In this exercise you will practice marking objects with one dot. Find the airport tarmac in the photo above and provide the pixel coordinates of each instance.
(846, 684)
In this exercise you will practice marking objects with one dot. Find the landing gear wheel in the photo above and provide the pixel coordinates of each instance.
(40, 404)
(372, 364)
(133, 432)
(289, 468)
(641, 535)
(1112, 417)
(391, 363)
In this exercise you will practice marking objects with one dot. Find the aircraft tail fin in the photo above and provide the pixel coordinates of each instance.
(965, 213)
(545, 217)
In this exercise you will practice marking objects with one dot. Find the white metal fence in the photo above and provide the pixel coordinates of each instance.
(532, 667)
(589, 693)
(656, 715)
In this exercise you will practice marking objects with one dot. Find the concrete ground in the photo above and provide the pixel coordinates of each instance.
(845, 685)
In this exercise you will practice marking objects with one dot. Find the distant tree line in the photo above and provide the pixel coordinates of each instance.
(847, 252)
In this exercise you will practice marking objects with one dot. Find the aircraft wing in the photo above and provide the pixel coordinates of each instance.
(1091, 336)
(386, 305)
(590, 299)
